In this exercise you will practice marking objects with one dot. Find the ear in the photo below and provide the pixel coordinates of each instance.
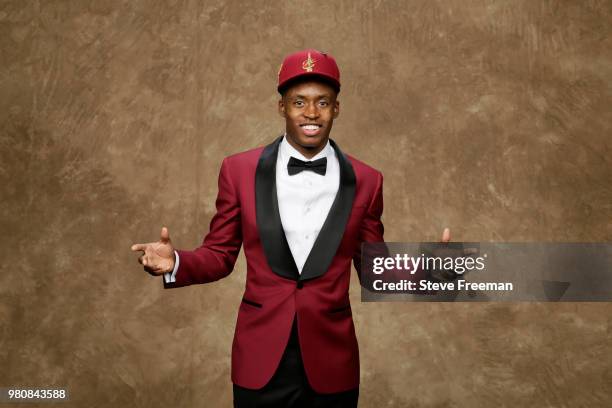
(336, 108)
(281, 107)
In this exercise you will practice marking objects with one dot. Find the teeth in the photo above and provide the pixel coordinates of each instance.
(310, 127)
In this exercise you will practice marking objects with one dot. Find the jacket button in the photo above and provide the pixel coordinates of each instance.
(300, 284)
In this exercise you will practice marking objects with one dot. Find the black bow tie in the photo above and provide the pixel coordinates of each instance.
(318, 166)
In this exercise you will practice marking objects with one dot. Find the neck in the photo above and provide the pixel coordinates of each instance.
(306, 151)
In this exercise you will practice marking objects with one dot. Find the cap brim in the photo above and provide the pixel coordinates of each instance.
(309, 75)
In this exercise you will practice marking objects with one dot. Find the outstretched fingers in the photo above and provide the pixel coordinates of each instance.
(446, 235)
(139, 247)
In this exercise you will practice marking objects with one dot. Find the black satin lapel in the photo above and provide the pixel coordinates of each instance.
(328, 240)
(269, 224)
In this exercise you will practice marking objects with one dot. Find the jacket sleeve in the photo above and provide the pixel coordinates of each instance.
(215, 258)
(372, 230)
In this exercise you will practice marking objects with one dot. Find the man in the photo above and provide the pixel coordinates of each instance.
(301, 208)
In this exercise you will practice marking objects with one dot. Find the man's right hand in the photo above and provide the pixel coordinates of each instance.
(157, 257)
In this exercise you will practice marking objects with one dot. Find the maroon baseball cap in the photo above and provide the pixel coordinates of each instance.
(309, 62)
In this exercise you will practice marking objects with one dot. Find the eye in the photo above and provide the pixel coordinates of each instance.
(298, 103)
(323, 103)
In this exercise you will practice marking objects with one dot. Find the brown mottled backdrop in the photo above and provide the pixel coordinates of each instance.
(491, 117)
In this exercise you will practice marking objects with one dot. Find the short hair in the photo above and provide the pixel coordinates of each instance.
(308, 78)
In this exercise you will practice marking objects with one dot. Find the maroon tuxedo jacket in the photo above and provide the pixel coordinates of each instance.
(275, 293)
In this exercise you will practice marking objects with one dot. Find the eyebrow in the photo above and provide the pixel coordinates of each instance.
(316, 97)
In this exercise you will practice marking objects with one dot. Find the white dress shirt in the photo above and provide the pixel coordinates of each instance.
(304, 200)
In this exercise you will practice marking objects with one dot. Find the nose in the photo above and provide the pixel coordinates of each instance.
(311, 111)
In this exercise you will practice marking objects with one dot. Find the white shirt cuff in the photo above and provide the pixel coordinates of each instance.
(170, 277)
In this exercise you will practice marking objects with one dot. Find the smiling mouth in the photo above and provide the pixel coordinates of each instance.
(311, 129)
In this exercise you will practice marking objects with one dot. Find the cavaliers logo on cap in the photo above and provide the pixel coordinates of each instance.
(308, 64)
